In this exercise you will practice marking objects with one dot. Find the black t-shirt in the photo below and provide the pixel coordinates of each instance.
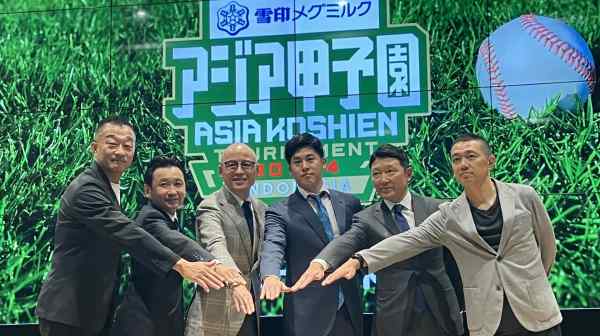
(489, 222)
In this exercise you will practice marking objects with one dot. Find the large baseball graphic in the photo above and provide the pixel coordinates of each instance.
(531, 60)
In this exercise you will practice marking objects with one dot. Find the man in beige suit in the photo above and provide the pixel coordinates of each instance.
(502, 240)
(230, 225)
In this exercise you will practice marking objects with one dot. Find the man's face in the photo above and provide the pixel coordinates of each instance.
(306, 166)
(238, 169)
(390, 178)
(470, 162)
(113, 149)
(167, 190)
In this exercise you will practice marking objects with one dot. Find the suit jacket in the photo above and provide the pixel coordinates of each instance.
(91, 232)
(154, 302)
(294, 235)
(518, 269)
(222, 230)
(396, 284)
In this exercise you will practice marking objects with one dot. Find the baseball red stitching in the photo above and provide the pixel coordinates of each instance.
(487, 52)
(562, 49)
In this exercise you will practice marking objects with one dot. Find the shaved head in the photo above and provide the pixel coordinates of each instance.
(237, 148)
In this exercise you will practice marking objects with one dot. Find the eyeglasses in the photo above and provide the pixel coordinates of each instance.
(232, 165)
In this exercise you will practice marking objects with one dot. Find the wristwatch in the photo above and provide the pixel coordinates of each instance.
(361, 260)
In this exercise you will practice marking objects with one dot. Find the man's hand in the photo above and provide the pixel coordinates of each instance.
(347, 270)
(314, 272)
(242, 299)
(231, 275)
(272, 287)
(200, 272)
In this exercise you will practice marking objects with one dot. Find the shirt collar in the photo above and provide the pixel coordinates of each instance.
(305, 193)
(173, 217)
(406, 202)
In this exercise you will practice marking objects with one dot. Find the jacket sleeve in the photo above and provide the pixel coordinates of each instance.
(274, 244)
(543, 231)
(155, 223)
(407, 244)
(209, 230)
(342, 247)
(100, 215)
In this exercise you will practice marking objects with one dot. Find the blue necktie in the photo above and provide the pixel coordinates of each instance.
(400, 219)
(402, 223)
(322, 212)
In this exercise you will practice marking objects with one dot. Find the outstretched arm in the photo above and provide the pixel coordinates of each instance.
(272, 255)
(105, 220)
(335, 253)
(396, 248)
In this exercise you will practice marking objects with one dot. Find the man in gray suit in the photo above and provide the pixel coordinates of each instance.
(502, 239)
(230, 225)
(414, 297)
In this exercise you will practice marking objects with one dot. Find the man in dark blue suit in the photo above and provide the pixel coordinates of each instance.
(296, 230)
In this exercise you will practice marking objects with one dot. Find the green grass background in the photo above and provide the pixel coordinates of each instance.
(67, 64)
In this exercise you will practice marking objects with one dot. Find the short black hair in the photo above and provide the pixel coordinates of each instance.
(113, 120)
(162, 161)
(299, 141)
(473, 137)
(390, 151)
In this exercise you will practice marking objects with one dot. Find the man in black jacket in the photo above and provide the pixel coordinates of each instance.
(91, 232)
(153, 304)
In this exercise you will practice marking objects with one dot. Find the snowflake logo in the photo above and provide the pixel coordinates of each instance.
(232, 18)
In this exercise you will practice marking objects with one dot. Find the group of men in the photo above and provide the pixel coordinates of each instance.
(499, 233)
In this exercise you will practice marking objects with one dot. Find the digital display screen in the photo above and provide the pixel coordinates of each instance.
(194, 77)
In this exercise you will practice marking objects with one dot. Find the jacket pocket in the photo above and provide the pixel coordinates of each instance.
(542, 298)
(473, 307)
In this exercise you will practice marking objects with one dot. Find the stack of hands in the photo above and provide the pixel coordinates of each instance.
(272, 286)
(213, 275)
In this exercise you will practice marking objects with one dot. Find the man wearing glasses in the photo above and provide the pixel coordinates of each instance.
(230, 225)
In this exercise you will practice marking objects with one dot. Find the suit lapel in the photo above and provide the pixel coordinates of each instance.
(418, 208)
(259, 214)
(171, 224)
(231, 207)
(300, 205)
(339, 210)
(507, 205)
(98, 171)
(464, 219)
(387, 219)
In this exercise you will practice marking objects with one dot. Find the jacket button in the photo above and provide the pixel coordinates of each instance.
(499, 258)
(498, 288)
